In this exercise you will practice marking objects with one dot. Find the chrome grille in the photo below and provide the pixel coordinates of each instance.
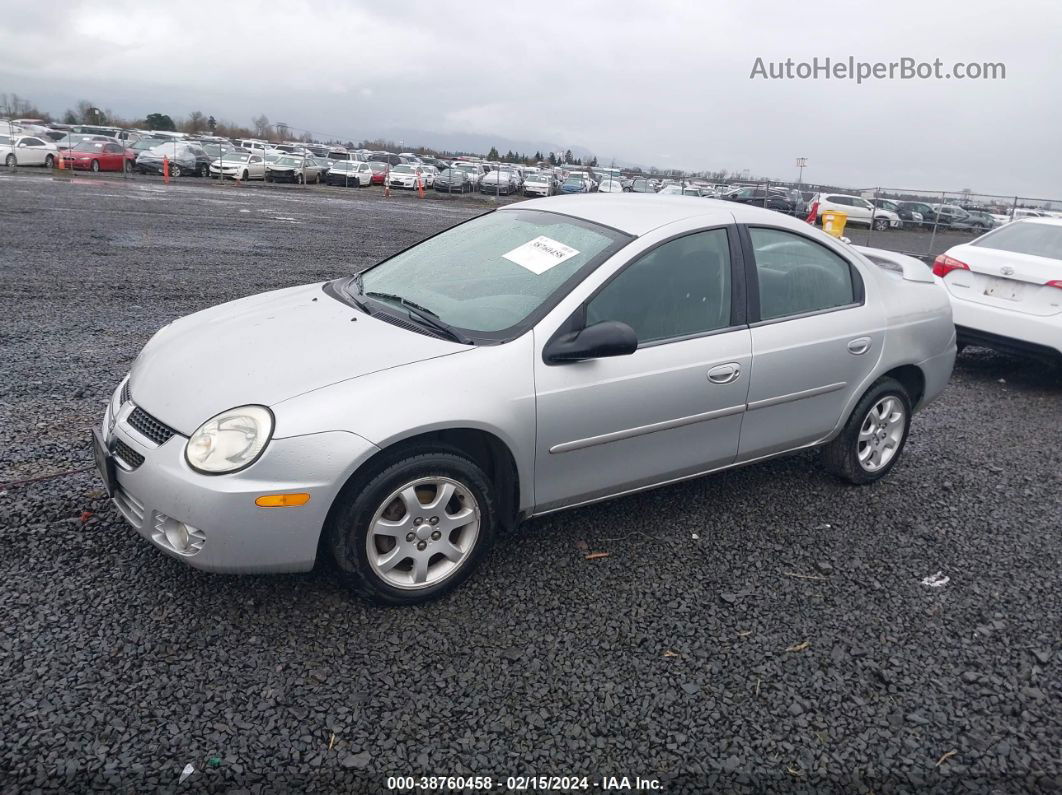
(150, 427)
(127, 454)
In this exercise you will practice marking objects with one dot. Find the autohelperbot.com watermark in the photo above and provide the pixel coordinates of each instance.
(851, 68)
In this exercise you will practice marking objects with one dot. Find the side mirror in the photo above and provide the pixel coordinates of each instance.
(607, 338)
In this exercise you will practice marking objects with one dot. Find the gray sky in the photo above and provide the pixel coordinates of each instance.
(660, 83)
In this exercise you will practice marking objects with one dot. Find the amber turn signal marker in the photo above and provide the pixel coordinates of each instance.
(281, 500)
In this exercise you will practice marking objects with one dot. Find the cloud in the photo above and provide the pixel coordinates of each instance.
(641, 81)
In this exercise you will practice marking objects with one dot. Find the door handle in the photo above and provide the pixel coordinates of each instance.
(859, 346)
(725, 373)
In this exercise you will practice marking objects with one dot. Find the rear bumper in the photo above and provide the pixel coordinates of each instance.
(1011, 345)
(1008, 330)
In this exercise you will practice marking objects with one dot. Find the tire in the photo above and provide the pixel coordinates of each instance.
(203, 171)
(128, 166)
(376, 498)
(175, 170)
(268, 177)
(881, 224)
(95, 166)
(10, 161)
(246, 175)
(49, 162)
(842, 456)
(299, 179)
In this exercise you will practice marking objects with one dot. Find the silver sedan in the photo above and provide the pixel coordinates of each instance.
(549, 354)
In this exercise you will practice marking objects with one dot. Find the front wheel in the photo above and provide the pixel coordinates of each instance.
(246, 175)
(10, 161)
(128, 166)
(298, 179)
(95, 165)
(416, 529)
(175, 170)
(874, 436)
(204, 171)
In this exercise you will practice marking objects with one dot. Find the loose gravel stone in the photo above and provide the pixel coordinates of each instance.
(119, 665)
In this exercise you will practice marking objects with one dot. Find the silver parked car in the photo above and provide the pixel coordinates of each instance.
(549, 354)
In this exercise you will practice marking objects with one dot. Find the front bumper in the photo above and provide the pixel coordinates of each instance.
(233, 534)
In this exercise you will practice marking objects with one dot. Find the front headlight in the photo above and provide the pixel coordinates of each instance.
(230, 441)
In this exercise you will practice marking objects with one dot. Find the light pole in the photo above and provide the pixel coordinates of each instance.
(802, 163)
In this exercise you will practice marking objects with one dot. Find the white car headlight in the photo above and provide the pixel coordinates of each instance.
(230, 441)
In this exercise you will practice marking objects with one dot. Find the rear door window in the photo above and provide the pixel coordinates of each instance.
(796, 275)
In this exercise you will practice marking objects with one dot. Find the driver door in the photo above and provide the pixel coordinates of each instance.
(673, 407)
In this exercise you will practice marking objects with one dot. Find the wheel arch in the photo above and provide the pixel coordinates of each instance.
(483, 447)
(913, 380)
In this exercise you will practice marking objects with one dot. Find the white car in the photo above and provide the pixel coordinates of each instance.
(349, 173)
(406, 176)
(1006, 288)
(27, 150)
(859, 211)
(538, 185)
(610, 185)
(238, 165)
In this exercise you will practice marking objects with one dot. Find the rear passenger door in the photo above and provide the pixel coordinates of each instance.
(816, 339)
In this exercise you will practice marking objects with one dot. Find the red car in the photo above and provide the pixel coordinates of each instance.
(98, 156)
(379, 172)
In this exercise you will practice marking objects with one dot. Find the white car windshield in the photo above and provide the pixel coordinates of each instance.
(1036, 239)
(489, 274)
(402, 170)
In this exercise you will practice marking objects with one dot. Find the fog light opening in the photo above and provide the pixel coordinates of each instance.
(178, 536)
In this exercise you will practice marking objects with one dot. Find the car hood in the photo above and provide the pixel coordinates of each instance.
(265, 349)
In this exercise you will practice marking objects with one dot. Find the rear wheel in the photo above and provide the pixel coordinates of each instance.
(874, 436)
(95, 165)
(246, 175)
(203, 170)
(299, 179)
(881, 224)
(414, 530)
(128, 166)
(49, 162)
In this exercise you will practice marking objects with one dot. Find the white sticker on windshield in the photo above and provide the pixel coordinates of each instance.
(540, 254)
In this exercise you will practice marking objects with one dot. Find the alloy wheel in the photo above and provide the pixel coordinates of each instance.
(423, 532)
(881, 433)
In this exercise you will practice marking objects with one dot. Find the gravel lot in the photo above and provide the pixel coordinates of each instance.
(762, 629)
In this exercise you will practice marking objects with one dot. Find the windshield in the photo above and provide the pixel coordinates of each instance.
(402, 170)
(1037, 239)
(344, 165)
(88, 146)
(289, 161)
(466, 167)
(490, 273)
(234, 156)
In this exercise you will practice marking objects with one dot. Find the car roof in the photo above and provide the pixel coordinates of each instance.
(639, 213)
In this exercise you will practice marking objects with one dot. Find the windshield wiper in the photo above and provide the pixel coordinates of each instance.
(424, 315)
(356, 282)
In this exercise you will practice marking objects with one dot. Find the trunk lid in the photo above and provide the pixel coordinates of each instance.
(1006, 280)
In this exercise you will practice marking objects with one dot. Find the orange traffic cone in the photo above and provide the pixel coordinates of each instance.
(420, 186)
(166, 169)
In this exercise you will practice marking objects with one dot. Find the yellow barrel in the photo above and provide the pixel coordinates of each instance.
(833, 222)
